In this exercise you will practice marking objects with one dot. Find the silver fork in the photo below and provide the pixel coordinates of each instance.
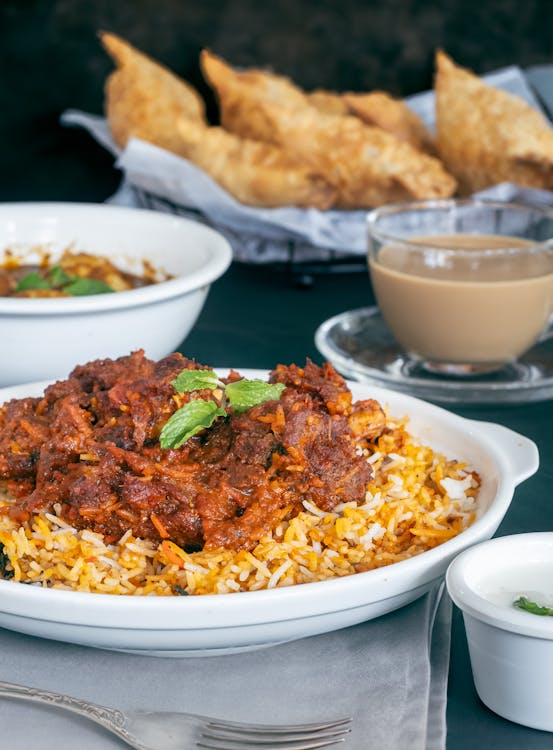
(148, 730)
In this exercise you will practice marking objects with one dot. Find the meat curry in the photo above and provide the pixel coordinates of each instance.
(90, 448)
(74, 274)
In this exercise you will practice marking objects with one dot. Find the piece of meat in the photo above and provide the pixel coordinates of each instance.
(22, 433)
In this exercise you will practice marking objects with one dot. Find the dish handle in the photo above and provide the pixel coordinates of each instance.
(520, 452)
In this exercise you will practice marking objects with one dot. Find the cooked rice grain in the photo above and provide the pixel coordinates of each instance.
(417, 500)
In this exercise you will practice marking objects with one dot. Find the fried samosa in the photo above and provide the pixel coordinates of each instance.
(328, 102)
(392, 115)
(367, 165)
(144, 99)
(379, 109)
(486, 136)
(239, 111)
(255, 173)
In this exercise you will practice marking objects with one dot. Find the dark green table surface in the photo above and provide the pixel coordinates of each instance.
(256, 317)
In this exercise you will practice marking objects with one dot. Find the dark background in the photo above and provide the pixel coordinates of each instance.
(50, 60)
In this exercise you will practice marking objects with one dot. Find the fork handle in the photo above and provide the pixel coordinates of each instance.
(109, 718)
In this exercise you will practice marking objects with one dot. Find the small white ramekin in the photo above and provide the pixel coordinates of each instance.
(511, 650)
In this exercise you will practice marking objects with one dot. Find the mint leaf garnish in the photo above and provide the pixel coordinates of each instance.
(32, 280)
(188, 421)
(79, 287)
(243, 394)
(58, 277)
(535, 609)
(199, 414)
(196, 380)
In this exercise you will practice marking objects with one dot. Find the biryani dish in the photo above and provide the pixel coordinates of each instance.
(141, 477)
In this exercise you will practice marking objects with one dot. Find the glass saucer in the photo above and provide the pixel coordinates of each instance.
(361, 347)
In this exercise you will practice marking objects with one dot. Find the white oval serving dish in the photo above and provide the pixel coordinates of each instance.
(214, 624)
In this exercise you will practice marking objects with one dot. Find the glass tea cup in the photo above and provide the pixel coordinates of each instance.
(465, 286)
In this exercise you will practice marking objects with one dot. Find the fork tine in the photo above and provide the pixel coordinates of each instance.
(276, 728)
(271, 739)
(235, 735)
(281, 744)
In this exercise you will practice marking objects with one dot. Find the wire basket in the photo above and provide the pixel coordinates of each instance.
(299, 260)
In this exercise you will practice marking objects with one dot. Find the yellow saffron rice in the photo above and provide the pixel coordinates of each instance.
(417, 500)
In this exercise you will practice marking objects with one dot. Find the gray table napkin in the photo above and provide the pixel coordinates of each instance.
(389, 674)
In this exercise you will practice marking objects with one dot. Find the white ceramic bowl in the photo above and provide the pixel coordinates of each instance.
(214, 624)
(511, 650)
(44, 338)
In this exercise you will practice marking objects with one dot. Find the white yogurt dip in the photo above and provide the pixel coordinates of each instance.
(532, 579)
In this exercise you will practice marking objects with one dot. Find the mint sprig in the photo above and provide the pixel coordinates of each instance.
(243, 394)
(188, 421)
(32, 280)
(196, 380)
(199, 414)
(535, 609)
(81, 287)
(56, 279)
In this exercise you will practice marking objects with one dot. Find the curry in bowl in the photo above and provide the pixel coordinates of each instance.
(74, 274)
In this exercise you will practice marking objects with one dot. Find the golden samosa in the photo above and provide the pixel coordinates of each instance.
(367, 165)
(392, 115)
(239, 93)
(144, 99)
(379, 109)
(255, 173)
(486, 136)
(328, 102)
